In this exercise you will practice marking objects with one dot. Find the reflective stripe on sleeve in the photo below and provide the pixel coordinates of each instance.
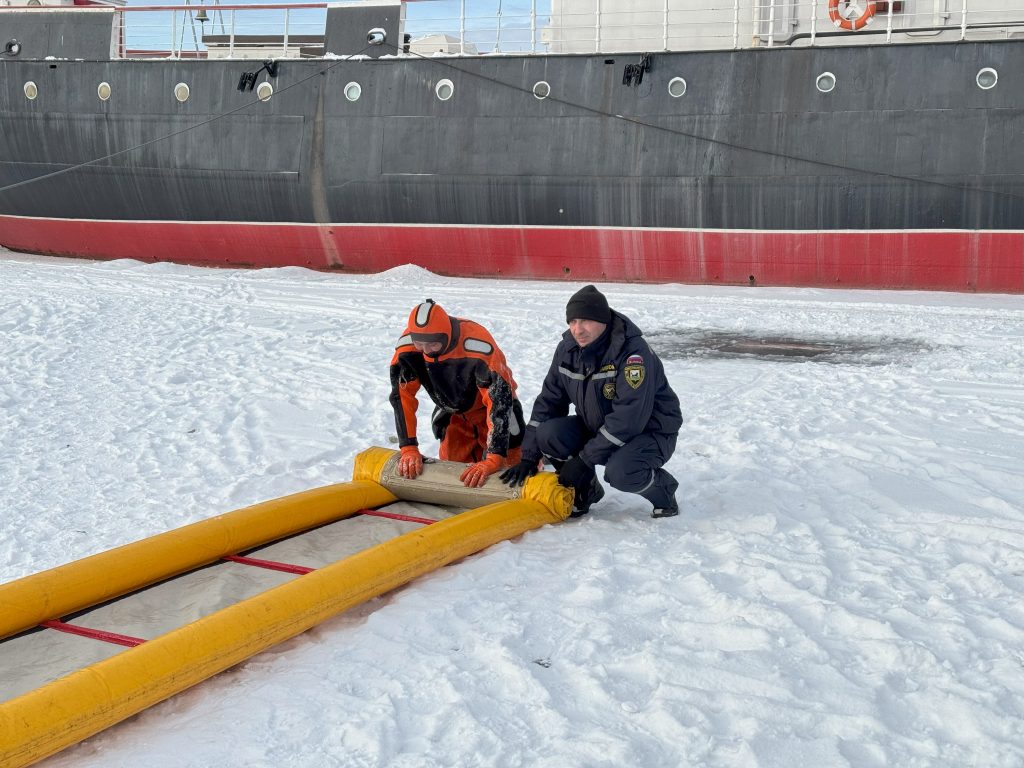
(611, 438)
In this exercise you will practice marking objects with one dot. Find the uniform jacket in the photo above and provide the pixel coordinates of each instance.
(469, 373)
(619, 394)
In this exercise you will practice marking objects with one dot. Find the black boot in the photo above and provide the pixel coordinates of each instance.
(662, 494)
(583, 501)
(670, 511)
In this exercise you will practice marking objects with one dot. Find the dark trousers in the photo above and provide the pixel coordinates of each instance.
(636, 467)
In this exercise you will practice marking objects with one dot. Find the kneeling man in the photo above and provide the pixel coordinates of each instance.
(626, 415)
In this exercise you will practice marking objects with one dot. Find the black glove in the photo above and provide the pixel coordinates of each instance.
(576, 473)
(518, 473)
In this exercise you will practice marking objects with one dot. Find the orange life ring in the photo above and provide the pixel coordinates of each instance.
(852, 24)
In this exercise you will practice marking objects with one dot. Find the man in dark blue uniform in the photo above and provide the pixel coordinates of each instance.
(627, 416)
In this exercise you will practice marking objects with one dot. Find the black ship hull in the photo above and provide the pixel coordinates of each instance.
(905, 175)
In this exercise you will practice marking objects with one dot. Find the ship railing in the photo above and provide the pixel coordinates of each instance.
(219, 30)
(670, 25)
(211, 29)
(608, 26)
(856, 22)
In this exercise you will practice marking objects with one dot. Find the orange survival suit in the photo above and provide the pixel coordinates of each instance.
(476, 412)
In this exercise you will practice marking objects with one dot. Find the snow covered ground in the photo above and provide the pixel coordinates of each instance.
(843, 587)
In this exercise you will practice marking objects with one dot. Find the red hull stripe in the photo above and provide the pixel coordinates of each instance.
(952, 260)
(272, 565)
(95, 634)
(396, 516)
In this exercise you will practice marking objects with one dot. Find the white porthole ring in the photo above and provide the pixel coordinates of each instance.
(444, 89)
(541, 89)
(182, 92)
(264, 91)
(676, 87)
(353, 91)
(986, 78)
(103, 91)
(825, 82)
(31, 90)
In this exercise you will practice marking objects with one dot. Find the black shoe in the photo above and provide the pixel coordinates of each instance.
(594, 494)
(670, 511)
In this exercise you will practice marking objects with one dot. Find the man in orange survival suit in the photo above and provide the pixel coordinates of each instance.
(477, 416)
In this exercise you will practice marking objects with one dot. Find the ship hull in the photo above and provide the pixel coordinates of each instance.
(946, 260)
(752, 177)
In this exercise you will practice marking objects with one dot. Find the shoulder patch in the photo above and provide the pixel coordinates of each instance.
(634, 371)
(609, 367)
(478, 346)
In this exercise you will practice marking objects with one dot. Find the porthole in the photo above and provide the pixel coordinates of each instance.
(826, 82)
(31, 91)
(987, 78)
(541, 89)
(445, 89)
(264, 91)
(676, 87)
(103, 91)
(181, 92)
(353, 91)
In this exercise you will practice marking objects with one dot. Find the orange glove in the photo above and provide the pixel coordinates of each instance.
(476, 475)
(410, 463)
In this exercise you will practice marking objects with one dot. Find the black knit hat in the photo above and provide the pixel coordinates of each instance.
(588, 303)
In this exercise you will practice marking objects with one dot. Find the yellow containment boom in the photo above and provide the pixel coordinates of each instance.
(84, 702)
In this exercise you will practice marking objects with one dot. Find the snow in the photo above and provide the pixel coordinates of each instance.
(843, 586)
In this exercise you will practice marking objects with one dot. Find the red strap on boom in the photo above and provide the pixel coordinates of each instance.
(95, 634)
(273, 565)
(396, 516)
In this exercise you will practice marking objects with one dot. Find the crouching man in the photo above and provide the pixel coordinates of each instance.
(626, 415)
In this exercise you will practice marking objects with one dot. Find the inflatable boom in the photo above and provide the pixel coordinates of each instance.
(65, 711)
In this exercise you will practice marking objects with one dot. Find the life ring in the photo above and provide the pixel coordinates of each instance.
(852, 24)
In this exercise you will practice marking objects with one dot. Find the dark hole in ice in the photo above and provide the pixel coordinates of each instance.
(690, 342)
